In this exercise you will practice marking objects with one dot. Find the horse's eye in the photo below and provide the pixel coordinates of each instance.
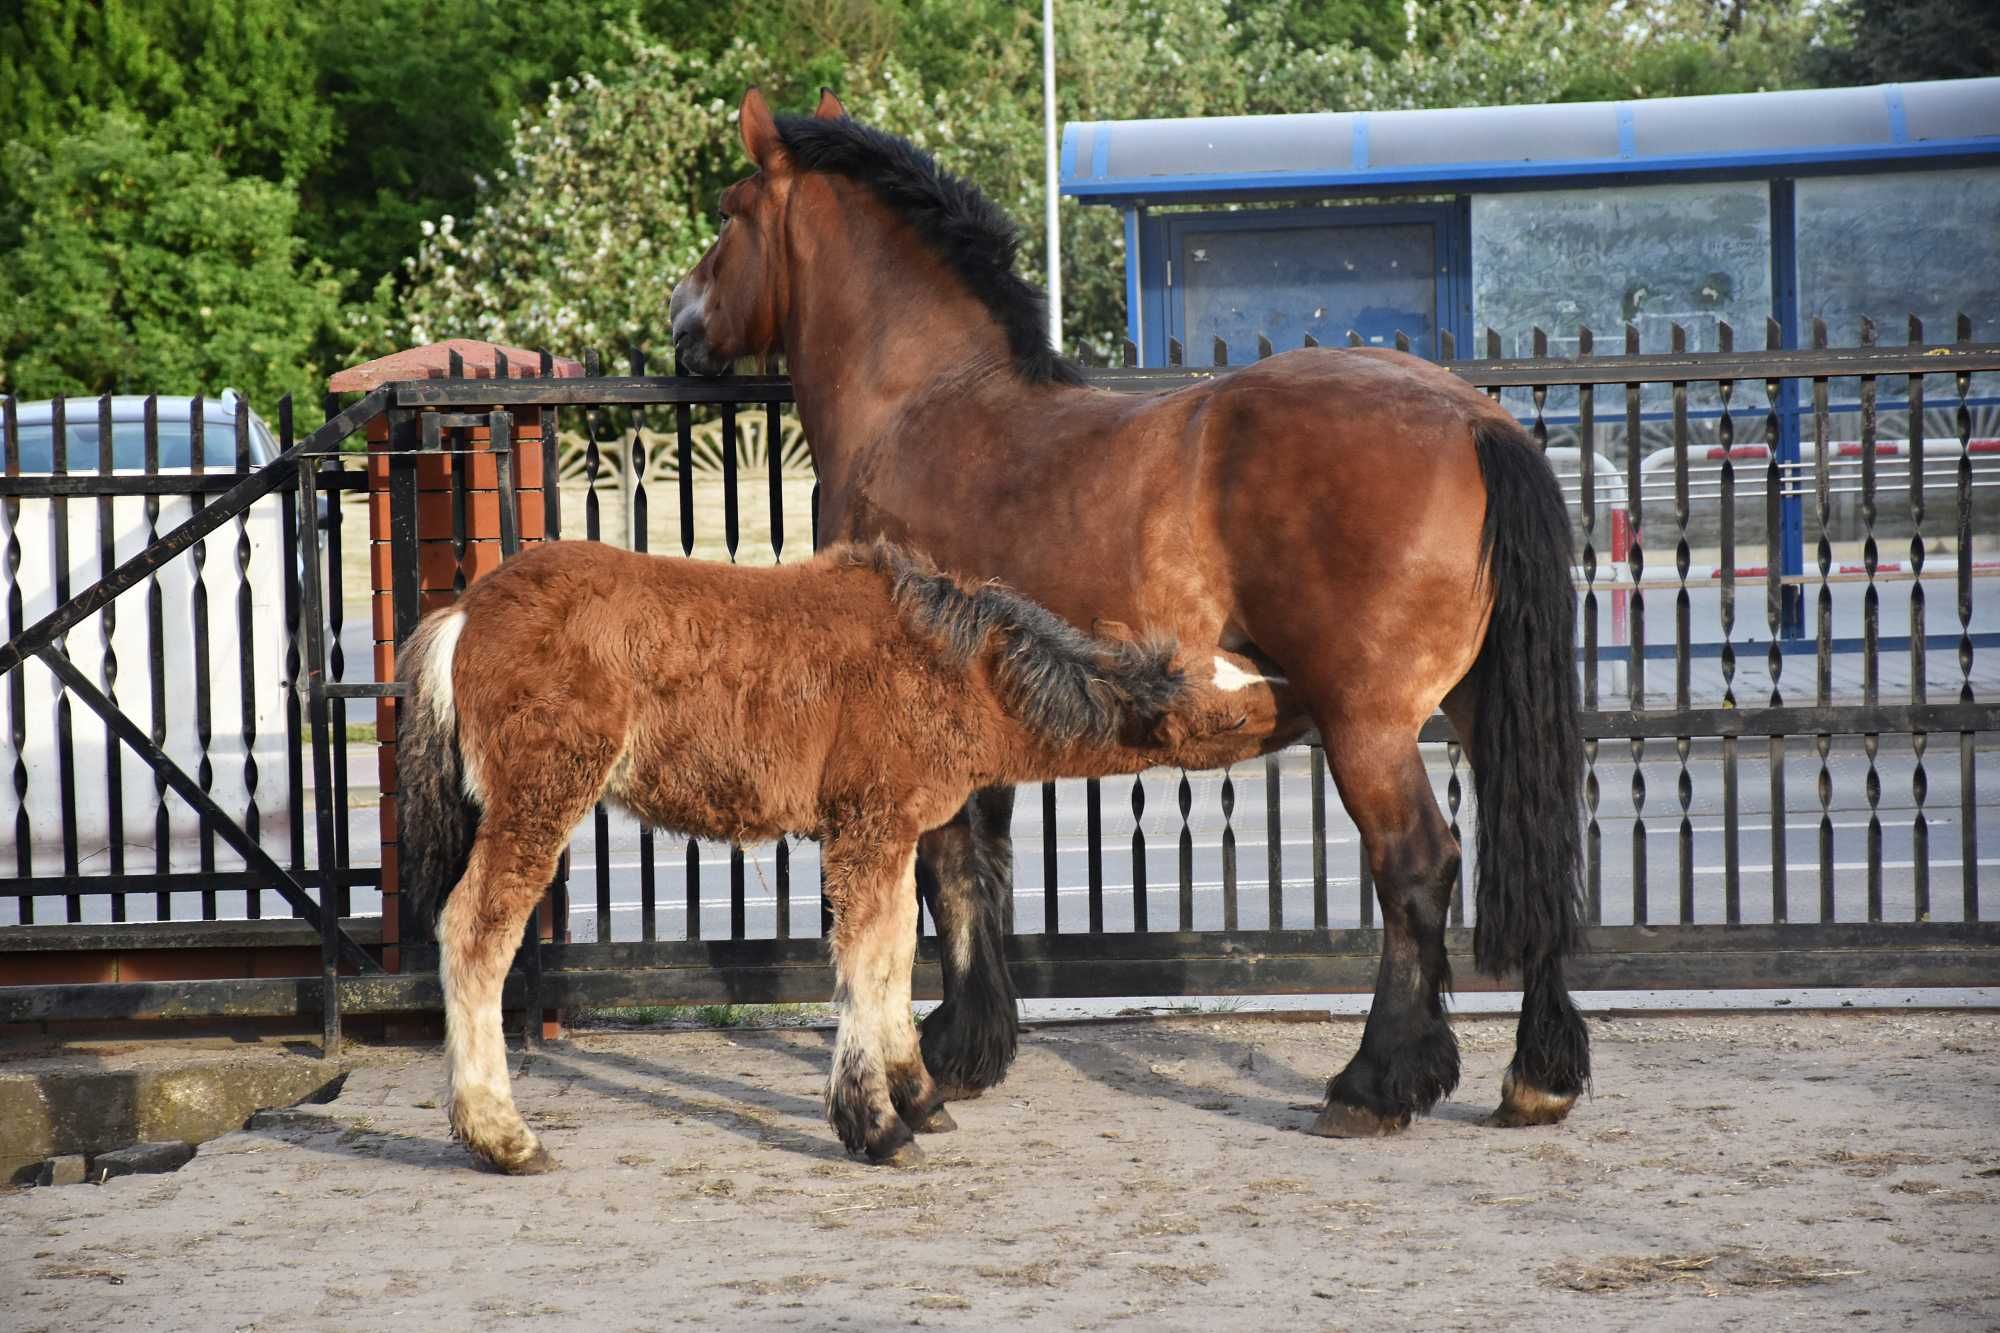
(722, 217)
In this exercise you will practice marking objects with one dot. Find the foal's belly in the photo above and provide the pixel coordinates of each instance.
(707, 795)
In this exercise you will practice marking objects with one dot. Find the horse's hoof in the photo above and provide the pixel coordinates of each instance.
(907, 1156)
(939, 1121)
(1339, 1121)
(536, 1163)
(1522, 1105)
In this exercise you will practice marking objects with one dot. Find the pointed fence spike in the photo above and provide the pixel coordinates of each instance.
(1264, 347)
(1447, 346)
(454, 364)
(1540, 340)
(1679, 336)
(1631, 338)
(1492, 343)
(1128, 351)
(1353, 338)
(1310, 341)
(1916, 332)
(1585, 340)
(1774, 334)
(1819, 332)
(1402, 341)
(1220, 352)
(1867, 331)
(591, 365)
(499, 364)
(1174, 351)
(1964, 327)
(1725, 337)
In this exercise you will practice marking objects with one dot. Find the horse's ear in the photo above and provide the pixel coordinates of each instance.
(760, 130)
(829, 106)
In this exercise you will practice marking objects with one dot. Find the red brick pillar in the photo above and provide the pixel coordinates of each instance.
(437, 558)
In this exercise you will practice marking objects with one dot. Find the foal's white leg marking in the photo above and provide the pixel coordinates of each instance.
(1229, 676)
(876, 1029)
(482, 1096)
(900, 1027)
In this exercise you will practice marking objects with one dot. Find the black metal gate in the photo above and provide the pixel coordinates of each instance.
(1807, 834)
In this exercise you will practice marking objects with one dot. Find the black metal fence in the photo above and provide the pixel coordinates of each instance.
(1807, 834)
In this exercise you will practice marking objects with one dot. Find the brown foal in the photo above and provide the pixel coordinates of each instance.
(859, 699)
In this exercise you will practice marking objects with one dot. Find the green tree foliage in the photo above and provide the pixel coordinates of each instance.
(423, 95)
(125, 267)
(544, 173)
(1891, 41)
(232, 80)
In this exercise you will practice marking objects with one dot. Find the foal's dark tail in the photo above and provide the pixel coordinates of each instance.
(435, 819)
(1527, 759)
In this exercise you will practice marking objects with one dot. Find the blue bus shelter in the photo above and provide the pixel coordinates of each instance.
(1832, 205)
(1829, 203)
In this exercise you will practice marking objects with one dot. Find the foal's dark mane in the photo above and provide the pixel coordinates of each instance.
(1066, 686)
(966, 229)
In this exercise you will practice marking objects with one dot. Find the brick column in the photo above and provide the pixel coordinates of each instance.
(437, 559)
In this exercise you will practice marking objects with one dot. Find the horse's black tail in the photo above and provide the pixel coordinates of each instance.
(1527, 759)
(435, 817)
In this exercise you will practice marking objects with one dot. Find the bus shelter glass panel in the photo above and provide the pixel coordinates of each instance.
(1286, 282)
(1888, 246)
(1651, 256)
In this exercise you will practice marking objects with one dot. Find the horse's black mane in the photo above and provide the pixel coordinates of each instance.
(1062, 683)
(968, 232)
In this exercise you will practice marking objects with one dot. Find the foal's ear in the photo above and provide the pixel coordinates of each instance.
(760, 130)
(829, 107)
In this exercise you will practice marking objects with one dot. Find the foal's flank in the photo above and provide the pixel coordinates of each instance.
(858, 698)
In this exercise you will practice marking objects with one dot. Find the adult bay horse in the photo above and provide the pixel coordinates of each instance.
(1358, 521)
(859, 698)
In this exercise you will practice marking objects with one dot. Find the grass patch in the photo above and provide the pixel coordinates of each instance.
(1734, 1267)
(700, 1016)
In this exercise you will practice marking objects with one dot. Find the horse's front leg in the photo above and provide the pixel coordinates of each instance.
(969, 1039)
(879, 1092)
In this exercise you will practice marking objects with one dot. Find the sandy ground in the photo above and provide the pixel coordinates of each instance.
(1792, 1171)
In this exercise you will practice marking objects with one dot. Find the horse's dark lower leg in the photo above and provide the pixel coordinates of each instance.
(968, 878)
(1408, 1058)
(1551, 1064)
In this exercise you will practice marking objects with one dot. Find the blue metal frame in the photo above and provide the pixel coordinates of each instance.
(1160, 311)
(1785, 296)
(1447, 177)
(1135, 292)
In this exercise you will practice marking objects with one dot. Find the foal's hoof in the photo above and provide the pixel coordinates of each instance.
(536, 1163)
(905, 1155)
(1523, 1104)
(938, 1121)
(1339, 1121)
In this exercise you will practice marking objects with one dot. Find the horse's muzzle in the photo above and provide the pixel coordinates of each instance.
(693, 357)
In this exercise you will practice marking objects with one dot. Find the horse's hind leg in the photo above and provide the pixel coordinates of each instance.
(969, 1039)
(1408, 1058)
(521, 835)
(879, 1089)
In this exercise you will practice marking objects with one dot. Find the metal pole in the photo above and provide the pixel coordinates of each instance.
(1049, 150)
